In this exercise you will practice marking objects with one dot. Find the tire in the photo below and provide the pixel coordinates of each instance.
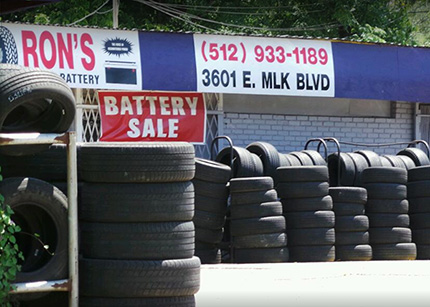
(316, 253)
(210, 189)
(316, 219)
(417, 155)
(209, 256)
(255, 210)
(137, 241)
(250, 184)
(388, 220)
(175, 301)
(40, 209)
(302, 189)
(133, 202)
(360, 164)
(359, 252)
(419, 189)
(342, 209)
(420, 173)
(307, 204)
(9, 51)
(385, 175)
(385, 162)
(346, 176)
(293, 160)
(209, 235)
(212, 171)
(419, 205)
(390, 235)
(399, 206)
(302, 174)
(315, 156)
(268, 224)
(269, 157)
(371, 157)
(352, 223)
(421, 236)
(398, 251)
(261, 255)
(395, 161)
(408, 162)
(245, 163)
(244, 198)
(139, 278)
(420, 220)
(41, 98)
(311, 236)
(209, 220)
(385, 191)
(351, 238)
(268, 240)
(348, 195)
(142, 162)
(209, 204)
(304, 159)
(423, 252)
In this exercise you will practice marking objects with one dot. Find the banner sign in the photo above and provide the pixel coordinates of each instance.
(85, 58)
(262, 65)
(152, 116)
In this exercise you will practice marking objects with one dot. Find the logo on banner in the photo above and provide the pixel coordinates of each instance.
(8, 50)
(152, 116)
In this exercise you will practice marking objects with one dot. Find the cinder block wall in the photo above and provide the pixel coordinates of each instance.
(289, 133)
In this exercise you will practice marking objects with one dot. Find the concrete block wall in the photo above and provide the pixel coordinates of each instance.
(290, 132)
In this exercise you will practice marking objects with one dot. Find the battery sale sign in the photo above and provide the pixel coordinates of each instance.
(152, 116)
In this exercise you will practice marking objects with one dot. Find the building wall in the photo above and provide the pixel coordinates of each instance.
(290, 132)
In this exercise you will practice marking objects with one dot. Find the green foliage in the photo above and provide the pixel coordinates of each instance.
(378, 21)
(9, 252)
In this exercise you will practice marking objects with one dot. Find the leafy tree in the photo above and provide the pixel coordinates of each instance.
(367, 20)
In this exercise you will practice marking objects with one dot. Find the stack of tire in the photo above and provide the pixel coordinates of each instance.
(419, 209)
(352, 225)
(211, 196)
(387, 208)
(307, 207)
(137, 235)
(257, 226)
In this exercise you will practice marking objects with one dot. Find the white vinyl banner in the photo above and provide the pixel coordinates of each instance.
(262, 65)
(84, 57)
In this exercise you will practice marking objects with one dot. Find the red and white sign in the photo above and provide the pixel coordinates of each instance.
(152, 116)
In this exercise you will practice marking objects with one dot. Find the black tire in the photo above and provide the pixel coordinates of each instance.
(261, 255)
(386, 191)
(420, 220)
(310, 236)
(351, 238)
(408, 162)
(133, 202)
(387, 235)
(268, 224)
(304, 159)
(209, 220)
(267, 240)
(137, 241)
(208, 170)
(269, 157)
(346, 175)
(419, 157)
(210, 204)
(423, 252)
(307, 204)
(141, 162)
(388, 220)
(292, 160)
(209, 256)
(359, 252)
(316, 253)
(352, 223)
(9, 51)
(419, 189)
(249, 184)
(48, 165)
(397, 251)
(209, 235)
(139, 278)
(341, 209)
(174, 301)
(360, 164)
(421, 236)
(302, 189)
(399, 206)
(419, 205)
(315, 156)
(371, 157)
(420, 173)
(302, 174)
(245, 163)
(244, 198)
(348, 195)
(255, 210)
(210, 189)
(385, 175)
(385, 162)
(315, 219)
(395, 161)
(40, 209)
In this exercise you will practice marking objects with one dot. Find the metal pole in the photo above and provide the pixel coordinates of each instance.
(72, 195)
(115, 10)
